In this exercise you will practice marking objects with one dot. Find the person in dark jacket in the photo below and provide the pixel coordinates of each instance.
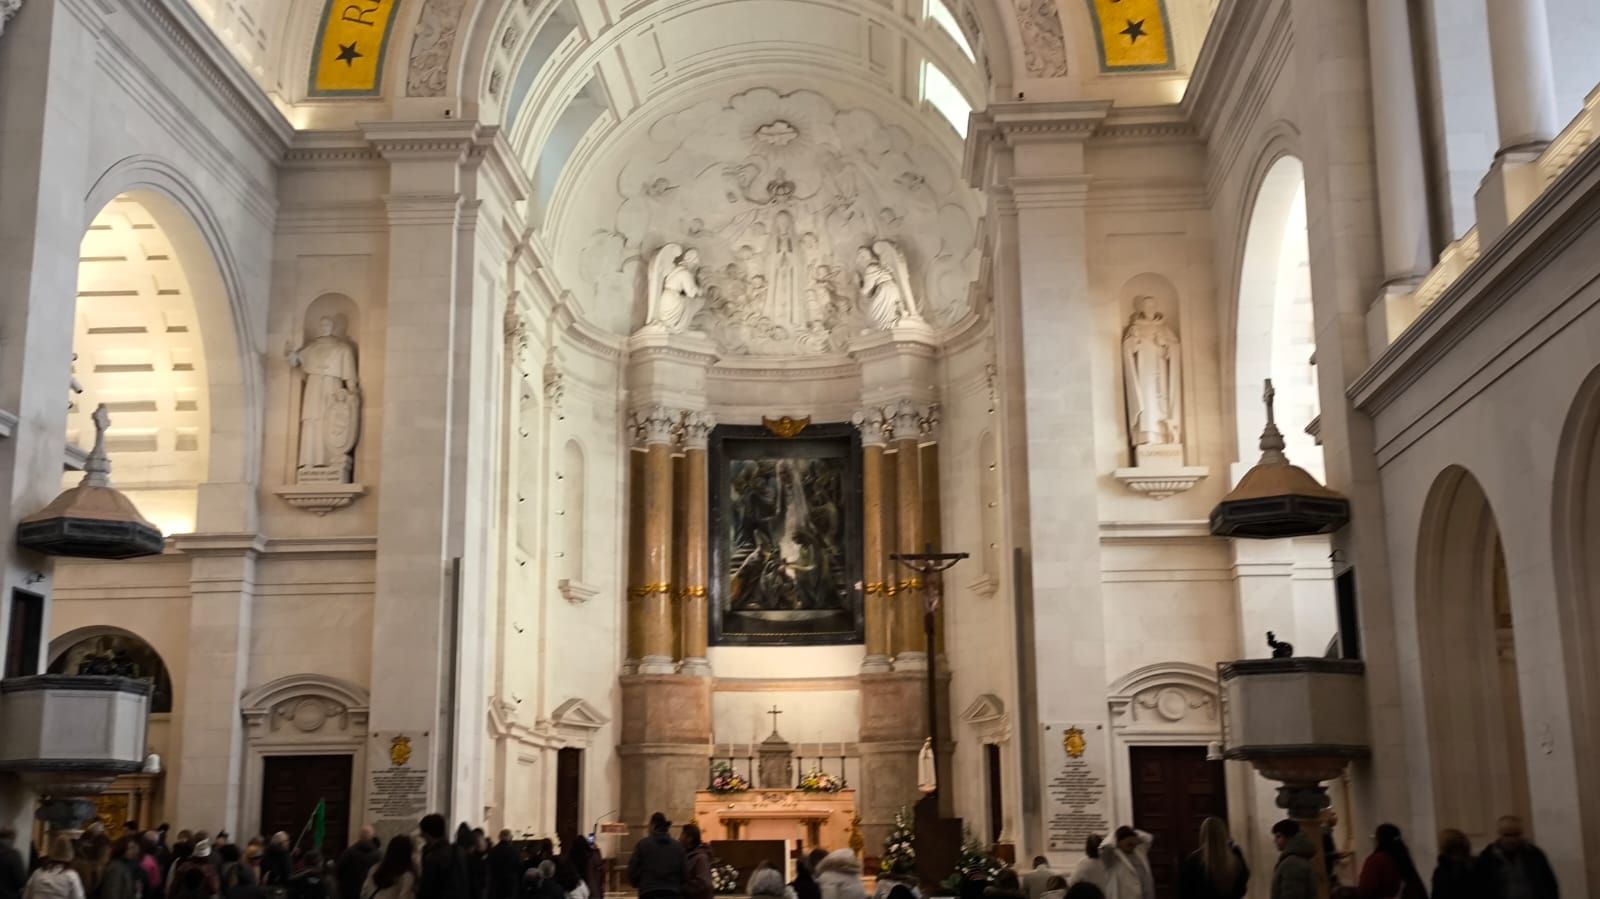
(311, 880)
(444, 870)
(1216, 870)
(1389, 872)
(504, 867)
(697, 883)
(477, 874)
(805, 882)
(276, 865)
(13, 870)
(1006, 885)
(1452, 876)
(1512, 866)
(1293, 878)
(350, 872)
(659, 863)
(122, 878)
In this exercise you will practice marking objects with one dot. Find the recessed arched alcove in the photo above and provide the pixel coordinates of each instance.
(1468, 660)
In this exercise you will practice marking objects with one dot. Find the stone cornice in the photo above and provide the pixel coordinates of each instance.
(330, 149)
(1012, 122)
(185, 33)
(1147, 124)
(445, 139)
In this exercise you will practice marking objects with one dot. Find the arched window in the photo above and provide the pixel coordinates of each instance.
(940, 14)
(943, 95)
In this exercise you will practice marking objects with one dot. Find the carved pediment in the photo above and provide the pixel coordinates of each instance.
(305, 704)
(578, 715)
(987, 716)
(1173, 696)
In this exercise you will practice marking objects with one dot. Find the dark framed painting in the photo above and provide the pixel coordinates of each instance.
(785, 536)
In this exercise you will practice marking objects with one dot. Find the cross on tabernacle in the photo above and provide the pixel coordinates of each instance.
(775, 713)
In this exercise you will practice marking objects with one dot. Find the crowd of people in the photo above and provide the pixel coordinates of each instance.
(436, 864)
(198, 865)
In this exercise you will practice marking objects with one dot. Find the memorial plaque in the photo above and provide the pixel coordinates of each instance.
(1077, 777)
(397, 781)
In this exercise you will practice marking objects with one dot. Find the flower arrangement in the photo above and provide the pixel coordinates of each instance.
(899, 846)
(725, 780)
(724, 878)
(974, 865)
(819, 781)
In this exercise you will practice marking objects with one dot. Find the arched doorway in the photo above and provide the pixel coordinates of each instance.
(1468, 660)
(1576, 513)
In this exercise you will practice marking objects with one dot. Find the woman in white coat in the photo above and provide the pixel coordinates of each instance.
(55, 879)
(1127, 859)
(839, 876)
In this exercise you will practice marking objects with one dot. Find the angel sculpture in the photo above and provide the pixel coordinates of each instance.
(675, 293)
(886, 286)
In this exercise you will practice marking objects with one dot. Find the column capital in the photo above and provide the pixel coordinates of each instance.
(1009, 125)
(902, 419)
(875, 424)
(696, 427)
(655, 424)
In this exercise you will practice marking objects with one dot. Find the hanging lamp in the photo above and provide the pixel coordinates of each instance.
(1276, 499)
(92, 520)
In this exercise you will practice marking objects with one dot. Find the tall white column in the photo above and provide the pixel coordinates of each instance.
(1525, 110)
(44, 156)
(1524, 76)
(1397, 133)
(1030, 156)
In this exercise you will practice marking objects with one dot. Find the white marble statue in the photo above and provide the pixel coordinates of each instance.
(1152, 376)
(886, 286)
(8, 8)
(675, 292)
(330, 407)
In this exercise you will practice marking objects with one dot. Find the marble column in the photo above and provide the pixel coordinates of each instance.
(876, 596)
(1397, 133)
(653, 597)
(1525, 111)
(910, 651)
(636, 560)
(696, 547)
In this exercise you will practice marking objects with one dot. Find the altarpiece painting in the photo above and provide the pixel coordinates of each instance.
(786, 536)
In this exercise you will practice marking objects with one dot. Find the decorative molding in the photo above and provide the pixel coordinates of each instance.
(578, 716)
(1044, 47)
(1148, 531)
(814, 225)
(576, 592)
(785, 684)
(8, 8)
(1166, 696)
(320, 498)
(306, 703)
(427, 71)
(985, 585)
(1158, 484)
(987, 717)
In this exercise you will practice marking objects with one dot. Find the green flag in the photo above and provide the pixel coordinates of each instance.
(317, 824)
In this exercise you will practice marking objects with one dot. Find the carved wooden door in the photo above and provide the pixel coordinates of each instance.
(290, 788)
(1174, 789)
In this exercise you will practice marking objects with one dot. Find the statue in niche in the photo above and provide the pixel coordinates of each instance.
(886, 286)
(330, 406)
(1152, 377)
(675, 293)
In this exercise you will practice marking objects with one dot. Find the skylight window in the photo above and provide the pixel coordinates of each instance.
(941, 15)
(939, 90)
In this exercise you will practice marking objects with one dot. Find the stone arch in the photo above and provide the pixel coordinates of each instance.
(72, 648)
(1168, 703)
(1471, 696)
(1576, 524)
(234, 377)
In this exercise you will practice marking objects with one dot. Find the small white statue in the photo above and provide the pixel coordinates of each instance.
(1152, 376)
(330, 407)
(886, 286)
(675, 293)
